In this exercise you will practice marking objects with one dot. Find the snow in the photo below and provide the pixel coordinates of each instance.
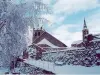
(95, 40)
(75, 48)
(31, 51)
(59, 62)
(98, 51)
(41, 64)
(77, 42)
(3, 70)
(13, 34)
(64, 50)
(45, 41)
(65, 69)
(98, 35)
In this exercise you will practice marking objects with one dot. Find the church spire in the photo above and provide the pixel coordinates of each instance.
(85, 30)
(85, 26)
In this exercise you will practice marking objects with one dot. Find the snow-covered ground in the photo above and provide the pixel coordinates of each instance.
(66, 69)
(3, 70)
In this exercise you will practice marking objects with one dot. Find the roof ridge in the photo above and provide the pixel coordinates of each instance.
(48, 34)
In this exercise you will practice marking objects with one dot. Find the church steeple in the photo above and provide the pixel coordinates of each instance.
(85, 31)
(85, 26)
(37, 32)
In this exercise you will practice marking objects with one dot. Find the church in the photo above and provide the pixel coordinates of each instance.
(42, 41)
(86, 37)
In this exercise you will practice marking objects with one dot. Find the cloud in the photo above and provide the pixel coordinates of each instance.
(50, 18)
(65, 36)
(63, 32)
(63, 8)
(53, 19)
(73, 6)
(93, 22)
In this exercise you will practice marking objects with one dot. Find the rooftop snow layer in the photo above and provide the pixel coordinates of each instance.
(77, 42)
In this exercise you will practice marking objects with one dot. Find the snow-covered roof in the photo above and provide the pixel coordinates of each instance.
(96, 39)
(98, 35)
(67, 49)
(75, 48)
(77, 42)
(45, 41)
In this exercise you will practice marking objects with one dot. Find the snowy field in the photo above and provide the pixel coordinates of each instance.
(3, 70)
(66, 69)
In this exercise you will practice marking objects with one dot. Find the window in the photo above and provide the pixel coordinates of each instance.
(35, 34)
(38, 33)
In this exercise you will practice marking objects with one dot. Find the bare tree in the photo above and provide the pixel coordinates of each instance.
(14, 21)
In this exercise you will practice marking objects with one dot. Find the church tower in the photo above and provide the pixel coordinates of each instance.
(37, 32)
(85, 31)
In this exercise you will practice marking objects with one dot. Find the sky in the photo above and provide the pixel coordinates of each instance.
(66, 21)
(67, 18)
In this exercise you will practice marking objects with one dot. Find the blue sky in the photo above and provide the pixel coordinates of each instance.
(66, 21)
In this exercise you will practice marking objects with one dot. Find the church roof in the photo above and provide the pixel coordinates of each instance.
(43, 45)
(96, 37)
(45, 35)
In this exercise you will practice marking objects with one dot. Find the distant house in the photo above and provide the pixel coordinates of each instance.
(78, 43)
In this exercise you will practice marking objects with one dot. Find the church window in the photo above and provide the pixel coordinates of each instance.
(38, 33)
(35, 34)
